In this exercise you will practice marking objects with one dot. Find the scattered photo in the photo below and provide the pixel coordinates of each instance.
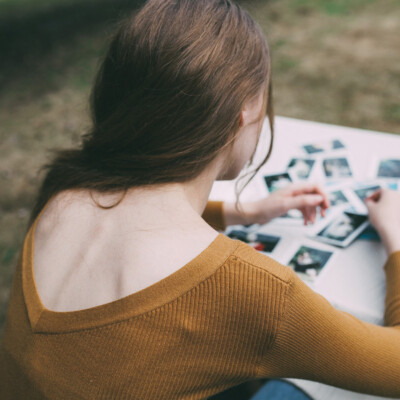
(277, 181)
(327, 145)
(259, 241)
(352, 209)
(301, 167)
(337, 198)
(344, 229)
(308, 262)
(389, 168)
(363, 193)
(337, 167)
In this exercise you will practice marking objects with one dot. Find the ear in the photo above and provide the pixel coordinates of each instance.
(245, 115)
(251, 110)
(241, 120)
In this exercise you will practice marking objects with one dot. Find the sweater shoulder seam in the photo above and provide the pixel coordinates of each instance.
(286, 282)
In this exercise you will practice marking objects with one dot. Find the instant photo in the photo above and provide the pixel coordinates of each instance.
(308, 262)
(389, 168)
(344, 229)
(301, 167)
(337, 198)
(319, 147)
(259, 241)
(337, 167)
(363, 193)
(277, 181)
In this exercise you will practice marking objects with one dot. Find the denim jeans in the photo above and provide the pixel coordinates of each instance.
(280, 390)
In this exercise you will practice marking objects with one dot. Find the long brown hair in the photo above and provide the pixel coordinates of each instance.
(167, 98)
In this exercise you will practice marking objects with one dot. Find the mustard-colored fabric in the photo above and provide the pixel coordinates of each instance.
(214, 215)
(229, 315)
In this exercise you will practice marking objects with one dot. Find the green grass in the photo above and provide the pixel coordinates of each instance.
(331, 7)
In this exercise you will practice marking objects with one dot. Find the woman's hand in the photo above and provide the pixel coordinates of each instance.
(384, 214)
(303, 196)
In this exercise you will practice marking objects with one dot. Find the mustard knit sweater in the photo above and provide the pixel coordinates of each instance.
(229, 315)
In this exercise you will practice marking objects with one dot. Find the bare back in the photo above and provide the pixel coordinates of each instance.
(86, 256)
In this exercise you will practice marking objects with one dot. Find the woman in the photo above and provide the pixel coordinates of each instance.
(124, 291)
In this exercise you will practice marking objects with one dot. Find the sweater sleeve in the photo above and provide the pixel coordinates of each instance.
(317, 342)
(214, 216)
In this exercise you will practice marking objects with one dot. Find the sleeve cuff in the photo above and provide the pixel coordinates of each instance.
(214, 215)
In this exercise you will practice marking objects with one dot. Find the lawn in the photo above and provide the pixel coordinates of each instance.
(334, 61)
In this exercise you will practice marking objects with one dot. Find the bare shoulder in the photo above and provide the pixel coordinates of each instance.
(61, 207)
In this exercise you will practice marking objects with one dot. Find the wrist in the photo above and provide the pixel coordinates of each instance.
(246, 214)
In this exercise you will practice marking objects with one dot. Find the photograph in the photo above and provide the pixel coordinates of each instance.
(327, 145)
(277, 181)
(337, 167)
(363, 193)
(308, 262)
(259, 241)
(301, 167)
(337, 198)
(344, 229)
(389, 168)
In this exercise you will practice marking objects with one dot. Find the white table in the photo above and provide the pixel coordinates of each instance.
(362, 261)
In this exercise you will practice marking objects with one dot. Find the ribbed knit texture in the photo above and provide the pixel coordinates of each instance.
(229, 315)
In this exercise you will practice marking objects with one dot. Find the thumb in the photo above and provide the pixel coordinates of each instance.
(370, 203)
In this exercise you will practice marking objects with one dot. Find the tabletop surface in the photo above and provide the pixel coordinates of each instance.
(353, 279)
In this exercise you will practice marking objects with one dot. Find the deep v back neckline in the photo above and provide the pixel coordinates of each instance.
(156, 295)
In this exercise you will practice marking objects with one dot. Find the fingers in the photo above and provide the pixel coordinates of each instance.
(299, 188)
(313, 213)
(305, 200)
(374, 196)
(309, 214)
(306, 196)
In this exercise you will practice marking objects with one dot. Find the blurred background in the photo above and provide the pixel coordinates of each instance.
(334, 61)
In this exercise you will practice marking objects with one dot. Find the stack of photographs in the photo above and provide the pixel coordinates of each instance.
(302, 168)
(323, 156)
(346, 218)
